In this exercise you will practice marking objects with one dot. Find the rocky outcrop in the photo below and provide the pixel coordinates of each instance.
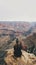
(25, 59)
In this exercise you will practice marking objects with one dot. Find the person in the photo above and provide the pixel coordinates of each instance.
(17, 49)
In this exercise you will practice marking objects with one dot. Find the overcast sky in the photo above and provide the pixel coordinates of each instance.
(23, 10)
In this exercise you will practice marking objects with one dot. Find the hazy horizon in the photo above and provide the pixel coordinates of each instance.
(21, 10)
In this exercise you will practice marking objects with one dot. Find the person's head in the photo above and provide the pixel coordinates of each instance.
(17, 40)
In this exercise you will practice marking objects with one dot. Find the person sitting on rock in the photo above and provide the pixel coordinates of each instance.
(17, 49)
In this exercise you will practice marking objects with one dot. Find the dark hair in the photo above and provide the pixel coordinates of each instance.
(17, 40)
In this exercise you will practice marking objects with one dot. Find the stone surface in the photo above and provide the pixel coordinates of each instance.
(25, 59)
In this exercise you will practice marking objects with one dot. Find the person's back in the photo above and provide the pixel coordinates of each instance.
(17, 49)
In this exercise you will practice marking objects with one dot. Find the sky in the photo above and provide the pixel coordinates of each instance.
(18, 10)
